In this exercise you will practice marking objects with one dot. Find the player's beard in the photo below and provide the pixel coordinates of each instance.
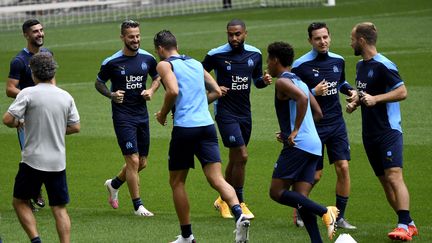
(132, 48)
(237, 48)
(38, 42)
(357, 50)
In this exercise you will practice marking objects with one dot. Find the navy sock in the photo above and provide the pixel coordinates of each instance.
(404, 217)
(341, 203)
(136, 203)
(310, 223)
(297, 200)
(237, 211)
(239, 193)
(36, 240)
(116, 183)
(186, 230)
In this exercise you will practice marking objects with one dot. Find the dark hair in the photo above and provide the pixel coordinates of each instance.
(283, 51)
(165, 39)
(43, 66)
(317, 26)
(368, 31)
(235, 22)
(29, 23)
(128, 24)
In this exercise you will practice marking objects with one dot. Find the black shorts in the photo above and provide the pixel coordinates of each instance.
(385, 151)
(189, 141)
(335, 139)
(133, 136)
(28, 183)
(235, 132)
(295, 164)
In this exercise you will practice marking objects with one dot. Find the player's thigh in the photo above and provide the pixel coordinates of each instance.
(246, 129)
(182, 148)
(392, 151)
(337, 143)
(126, 133)
(231, 133)
(28, 182)
(143, 138)
(296, 165)
(56, 187)
(207, 147)
(373, 153)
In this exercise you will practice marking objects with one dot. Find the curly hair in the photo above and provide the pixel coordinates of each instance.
(283, 51)
(43, 66)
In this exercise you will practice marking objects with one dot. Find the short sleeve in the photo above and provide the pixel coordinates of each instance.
(104, 73)
(16, 66)
(18, 107)
(391, 77)
(73, 116)
(208, 63)
(152, 71)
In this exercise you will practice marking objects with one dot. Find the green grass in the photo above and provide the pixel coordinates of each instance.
(93, 155)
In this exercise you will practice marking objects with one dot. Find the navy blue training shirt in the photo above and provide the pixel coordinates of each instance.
(312, 68)
(128, 73)
(378, 76)
(235, 69)
(20, 68)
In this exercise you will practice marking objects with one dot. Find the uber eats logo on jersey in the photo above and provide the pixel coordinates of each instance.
(134, 82)
(239, 83)
(331, 88)
(361, 85)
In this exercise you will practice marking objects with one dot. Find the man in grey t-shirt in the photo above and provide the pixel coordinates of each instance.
(47, 114)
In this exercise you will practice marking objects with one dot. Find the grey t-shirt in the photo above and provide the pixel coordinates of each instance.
(47, 110)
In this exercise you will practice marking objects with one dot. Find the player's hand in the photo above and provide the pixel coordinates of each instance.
(351, 107)
(279, 137)
(321, 88)
(224, 90)
(368, 99)
(20, 123)
(160, 118)
(267, 78)
(353, 96)
(118, 96)
(147, 94)
(291, 138)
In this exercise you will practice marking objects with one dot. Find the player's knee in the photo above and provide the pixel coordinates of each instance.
(342, 167)
(275, 194)
(176, 183)
(142, 164)
(239, 156)
(244, 157)
(317, 176)
(215, 182)
(393, 175)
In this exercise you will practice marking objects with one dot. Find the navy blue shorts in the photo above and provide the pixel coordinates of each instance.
(133, 136)
(21, 137)
(335, 139)
(295, 164)
(384, 152)
(235, 132)
(28, 183)
(189, 141)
